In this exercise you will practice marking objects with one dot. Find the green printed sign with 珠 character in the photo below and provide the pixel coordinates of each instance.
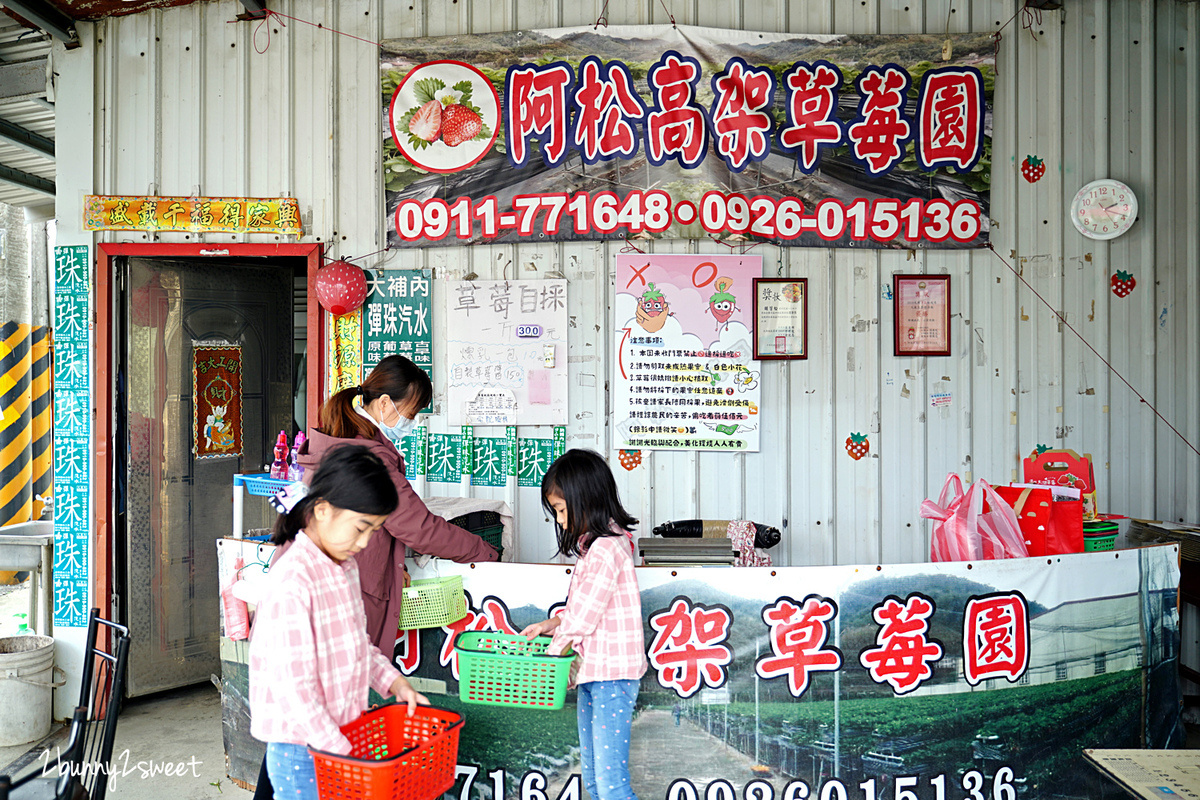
(491, 462)
(444, 458)
(398, 318)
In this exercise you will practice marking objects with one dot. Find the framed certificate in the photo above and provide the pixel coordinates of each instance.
(780, 318)
(922, 315)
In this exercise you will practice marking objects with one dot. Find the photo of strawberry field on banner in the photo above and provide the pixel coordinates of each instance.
(806, 140)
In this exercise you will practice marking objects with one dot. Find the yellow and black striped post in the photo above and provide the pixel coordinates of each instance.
(42, 388)
(16, 430)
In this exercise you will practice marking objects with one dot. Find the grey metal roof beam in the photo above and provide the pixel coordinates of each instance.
(254, 8)
(34, 142)
(24, 180)
(23, 80)
(46, 17)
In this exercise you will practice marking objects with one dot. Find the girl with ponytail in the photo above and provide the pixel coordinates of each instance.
(379, 414)
(311, 663)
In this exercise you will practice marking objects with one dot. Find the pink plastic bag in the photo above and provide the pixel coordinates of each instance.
(972, 525)
(237, 612)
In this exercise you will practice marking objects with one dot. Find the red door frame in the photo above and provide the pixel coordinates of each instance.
(102, 454)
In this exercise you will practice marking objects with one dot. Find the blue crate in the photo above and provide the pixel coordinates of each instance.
(260, 485)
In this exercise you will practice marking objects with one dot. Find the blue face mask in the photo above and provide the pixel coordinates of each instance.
(401, 430)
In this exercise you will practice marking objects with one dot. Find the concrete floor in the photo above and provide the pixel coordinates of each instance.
(169, 728)
(180, 728)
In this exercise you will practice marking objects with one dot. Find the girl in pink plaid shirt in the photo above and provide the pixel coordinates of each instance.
(310, 659)
(602, 620)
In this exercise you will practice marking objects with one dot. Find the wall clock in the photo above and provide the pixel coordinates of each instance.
(1104, 209)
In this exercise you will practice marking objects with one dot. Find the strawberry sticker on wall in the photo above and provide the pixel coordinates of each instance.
(630, 459)
(1122, 283)
(1033, 168)
(444, 116)
(857, 445)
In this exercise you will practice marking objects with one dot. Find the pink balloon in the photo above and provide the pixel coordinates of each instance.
(341, 287)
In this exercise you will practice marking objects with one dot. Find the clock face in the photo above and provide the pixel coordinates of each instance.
(1104, 209)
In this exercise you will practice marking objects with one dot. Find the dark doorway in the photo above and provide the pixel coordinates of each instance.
(173, 485)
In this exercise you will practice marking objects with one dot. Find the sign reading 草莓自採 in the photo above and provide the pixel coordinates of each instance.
(681, 132)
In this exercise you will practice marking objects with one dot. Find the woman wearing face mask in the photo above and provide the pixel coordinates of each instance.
(389, 400)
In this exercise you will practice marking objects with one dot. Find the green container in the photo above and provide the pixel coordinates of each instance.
(487, 525)
(498, 669)
(432, 602)
(1092, 544)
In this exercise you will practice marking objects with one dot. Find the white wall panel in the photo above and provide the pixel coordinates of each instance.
(184, 103)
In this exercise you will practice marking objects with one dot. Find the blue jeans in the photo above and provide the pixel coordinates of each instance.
(605, 716)
(292, 772)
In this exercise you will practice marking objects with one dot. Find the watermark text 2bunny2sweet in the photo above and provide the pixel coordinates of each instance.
(122, 766)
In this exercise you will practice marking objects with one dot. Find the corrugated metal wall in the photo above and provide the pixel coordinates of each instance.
(1105, 88)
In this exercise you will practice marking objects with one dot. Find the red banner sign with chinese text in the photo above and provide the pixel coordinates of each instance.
(196, 214)
(681, 132)
(217, 401)
(929, 681)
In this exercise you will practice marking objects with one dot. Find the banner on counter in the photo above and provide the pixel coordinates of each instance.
(217, 401)
(279, 215)
(929, 681)
(685, 377)
(808, 140)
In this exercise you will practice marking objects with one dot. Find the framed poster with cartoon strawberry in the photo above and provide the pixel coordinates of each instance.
(921, 319)
(780, 318)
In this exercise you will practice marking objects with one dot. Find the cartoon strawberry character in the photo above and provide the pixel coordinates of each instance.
(722, 304)
(1123, 283)
(460, 124)
(1033, 168)
(857, 445)
(630, 459)
(653, 309)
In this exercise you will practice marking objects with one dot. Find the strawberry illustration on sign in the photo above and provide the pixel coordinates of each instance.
(630, 458)
(1123, 283)
(444, 116)
(426, 123)
(444, 113)
(1033, 168)
(460, 124)
(857, 445)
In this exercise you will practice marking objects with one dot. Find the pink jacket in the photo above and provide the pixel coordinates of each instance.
(381, 562)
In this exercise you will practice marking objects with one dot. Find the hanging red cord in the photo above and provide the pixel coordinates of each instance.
(1088, 345)
(268, 14)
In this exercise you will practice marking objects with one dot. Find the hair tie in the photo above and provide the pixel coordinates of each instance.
(286, 498)
(361, 390)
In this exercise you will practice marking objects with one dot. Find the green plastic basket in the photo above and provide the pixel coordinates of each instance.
(1092, 544)
(432, 602)
(498, 669)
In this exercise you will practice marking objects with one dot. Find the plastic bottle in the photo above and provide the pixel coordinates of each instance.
(279, 467)
(295, 471)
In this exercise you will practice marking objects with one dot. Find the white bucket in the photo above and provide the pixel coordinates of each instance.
(26, 688)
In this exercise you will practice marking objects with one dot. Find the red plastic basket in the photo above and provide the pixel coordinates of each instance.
(395, 756)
